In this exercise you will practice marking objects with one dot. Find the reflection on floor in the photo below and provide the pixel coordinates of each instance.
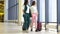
(14, 28)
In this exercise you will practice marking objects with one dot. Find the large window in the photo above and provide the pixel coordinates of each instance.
(12, 10)
(42, 10)
(52, 10)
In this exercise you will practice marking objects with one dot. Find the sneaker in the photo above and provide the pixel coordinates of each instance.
(27, 31)
(36, 30)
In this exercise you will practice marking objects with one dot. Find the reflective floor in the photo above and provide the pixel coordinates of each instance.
(14, 28)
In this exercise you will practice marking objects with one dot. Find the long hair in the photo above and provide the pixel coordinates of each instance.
(33, 3)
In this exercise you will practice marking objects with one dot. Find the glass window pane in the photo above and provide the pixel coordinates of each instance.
(52, 11)
(42, 10)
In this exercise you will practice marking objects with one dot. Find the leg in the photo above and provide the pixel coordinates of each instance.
(28, 21)
(25, 22)
(32, 22)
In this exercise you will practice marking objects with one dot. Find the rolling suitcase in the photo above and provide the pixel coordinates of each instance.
(39, 26)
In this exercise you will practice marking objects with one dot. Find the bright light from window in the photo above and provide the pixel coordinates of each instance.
(52, 11)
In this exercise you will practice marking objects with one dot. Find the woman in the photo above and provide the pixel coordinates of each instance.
(26, 16)
(34, 14)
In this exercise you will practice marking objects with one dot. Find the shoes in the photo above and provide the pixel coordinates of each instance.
(37, 30)
(31, 29)
(25, 31)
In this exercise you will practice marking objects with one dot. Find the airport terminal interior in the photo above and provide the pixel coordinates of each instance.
(11, 16)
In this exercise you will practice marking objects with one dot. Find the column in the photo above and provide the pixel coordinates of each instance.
(20, 11)
(6, 10)
(46, 12)
(38, 8)
(58, 14)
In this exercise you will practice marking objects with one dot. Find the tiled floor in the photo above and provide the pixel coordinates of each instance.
(14, 28)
